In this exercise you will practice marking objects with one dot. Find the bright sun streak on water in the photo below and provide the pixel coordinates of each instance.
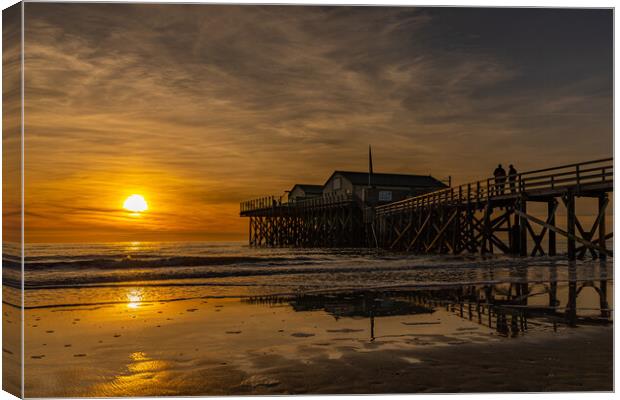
(134, 298)
(135, 203)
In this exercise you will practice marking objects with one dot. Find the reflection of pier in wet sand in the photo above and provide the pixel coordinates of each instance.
(504, 307)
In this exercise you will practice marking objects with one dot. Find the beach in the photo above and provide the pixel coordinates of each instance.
(224, 333)
(224, 346)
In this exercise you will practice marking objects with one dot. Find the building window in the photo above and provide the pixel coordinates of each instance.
(385, 195)
(337, 184)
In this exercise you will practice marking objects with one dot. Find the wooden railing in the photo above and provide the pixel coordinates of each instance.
(577, 176)
(261, 203)
(273, 202)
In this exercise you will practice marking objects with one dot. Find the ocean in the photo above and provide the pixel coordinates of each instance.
(107, 273)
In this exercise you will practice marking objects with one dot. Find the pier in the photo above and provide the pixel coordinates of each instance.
(482, 217)
(326, 221)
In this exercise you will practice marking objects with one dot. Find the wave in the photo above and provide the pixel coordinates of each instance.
(193, 269)
(113, 268)
(77, 263)
(170, 274)
(149, 261)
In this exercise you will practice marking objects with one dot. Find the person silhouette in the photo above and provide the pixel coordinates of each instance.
(512, 178)
(500, 180)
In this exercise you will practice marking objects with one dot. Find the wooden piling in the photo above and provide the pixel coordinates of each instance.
(551, 208)
(570, 224)
(602, 204)
(522, 227)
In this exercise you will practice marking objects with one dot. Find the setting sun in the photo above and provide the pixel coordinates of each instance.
(135, 203)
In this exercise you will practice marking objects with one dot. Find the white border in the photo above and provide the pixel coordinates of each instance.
(462, 3)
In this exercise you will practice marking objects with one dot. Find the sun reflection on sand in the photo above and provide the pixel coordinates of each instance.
(143, 377)
(143, 364)
(134, 298)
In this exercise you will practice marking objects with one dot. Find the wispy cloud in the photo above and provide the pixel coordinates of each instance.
(202, 106)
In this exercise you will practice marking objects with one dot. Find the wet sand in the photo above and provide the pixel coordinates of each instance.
(231, 346)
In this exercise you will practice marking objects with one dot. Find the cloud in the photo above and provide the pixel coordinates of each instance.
(201, 106)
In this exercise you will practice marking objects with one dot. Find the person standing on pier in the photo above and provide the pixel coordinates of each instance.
(500, 180)
(512, 179)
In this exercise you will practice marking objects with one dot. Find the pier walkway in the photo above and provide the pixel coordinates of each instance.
(482, 217)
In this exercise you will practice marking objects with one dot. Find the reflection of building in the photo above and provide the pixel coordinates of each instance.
(358, 305)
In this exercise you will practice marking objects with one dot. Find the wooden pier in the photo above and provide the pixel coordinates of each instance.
(482, 217)
(328, 221)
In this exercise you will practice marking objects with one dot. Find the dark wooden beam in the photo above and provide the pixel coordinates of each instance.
(563, 233)
(552, 206)
(419, 233)
(441, 231)
(569, 200)
(603, 200)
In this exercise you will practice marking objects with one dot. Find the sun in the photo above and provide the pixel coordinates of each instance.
(135, 203)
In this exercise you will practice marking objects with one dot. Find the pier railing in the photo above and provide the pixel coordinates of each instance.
(578, 176)
(276, 202)
(261, 203)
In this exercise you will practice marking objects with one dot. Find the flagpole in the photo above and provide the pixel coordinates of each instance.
(369, 165)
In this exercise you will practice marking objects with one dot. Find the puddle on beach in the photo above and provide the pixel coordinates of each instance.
(237, 345)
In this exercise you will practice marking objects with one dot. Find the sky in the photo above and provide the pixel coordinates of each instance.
(198, 107)
(11, 127)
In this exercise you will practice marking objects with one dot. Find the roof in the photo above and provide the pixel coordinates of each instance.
(311, 189)
(361, 179)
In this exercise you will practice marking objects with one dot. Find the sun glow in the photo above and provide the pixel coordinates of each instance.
(134, 298)
(135, 203)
